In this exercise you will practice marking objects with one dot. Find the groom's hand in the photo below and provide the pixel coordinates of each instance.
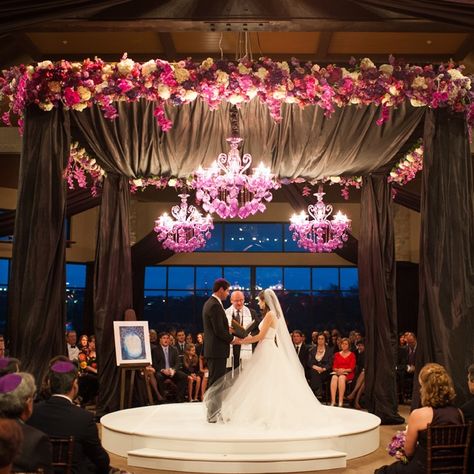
(236, 340)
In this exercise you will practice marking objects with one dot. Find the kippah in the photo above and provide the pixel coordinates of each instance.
(4, 361)
(63, 367)
(9, 382)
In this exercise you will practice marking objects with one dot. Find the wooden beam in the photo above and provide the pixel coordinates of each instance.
(323, 45)
(169, 49)
(340, 59)
(467, 46)
(245, 24)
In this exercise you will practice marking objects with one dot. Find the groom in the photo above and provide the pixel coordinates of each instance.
(216, 342)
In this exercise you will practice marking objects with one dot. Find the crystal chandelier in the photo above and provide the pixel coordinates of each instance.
(316, 232)
(226, 189)
(185, 230)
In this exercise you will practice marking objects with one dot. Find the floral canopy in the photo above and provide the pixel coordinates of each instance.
(161, 120)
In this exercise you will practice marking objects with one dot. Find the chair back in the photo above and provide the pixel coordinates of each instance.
(448, 448)
(63, 449)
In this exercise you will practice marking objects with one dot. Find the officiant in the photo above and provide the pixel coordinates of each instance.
(244, 316)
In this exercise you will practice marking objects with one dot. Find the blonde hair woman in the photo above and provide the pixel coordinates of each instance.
(437, 396)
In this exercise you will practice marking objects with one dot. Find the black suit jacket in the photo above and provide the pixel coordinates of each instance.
(35, 452)
(325, 362)
(59, 417)
(468, 411)
(303, 357)
(216, 330)
(158, 358)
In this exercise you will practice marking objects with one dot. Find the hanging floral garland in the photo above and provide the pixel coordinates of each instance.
(83, 169)
(78, 85)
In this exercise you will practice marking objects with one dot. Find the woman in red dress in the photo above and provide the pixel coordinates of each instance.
(343, 367)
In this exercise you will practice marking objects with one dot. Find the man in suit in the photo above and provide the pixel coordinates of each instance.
(244, 316)
(301, 349)
(216, 342)
(17, 391)
(180, 346)
(165, 361)
(59, 417)
(71, 344)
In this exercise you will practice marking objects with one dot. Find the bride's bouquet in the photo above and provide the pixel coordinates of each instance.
(396, 447)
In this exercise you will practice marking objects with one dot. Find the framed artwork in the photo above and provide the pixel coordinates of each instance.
(132, 342)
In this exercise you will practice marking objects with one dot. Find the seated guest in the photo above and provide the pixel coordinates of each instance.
(59, 417)
(468, 407)
(3, 351)
(343, 368)
(83, 344)
(44, 392)
(165, 362)
(9, 365)
(359, 387)
(199, 343)
(10, 442)
(88, 380)
(71, 344)
(191, 369)
(319, 364)
(301, 349)
(437, 396)
(17, 392)
(189, 338)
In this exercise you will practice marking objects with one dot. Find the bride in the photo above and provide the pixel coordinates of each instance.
(271, 391)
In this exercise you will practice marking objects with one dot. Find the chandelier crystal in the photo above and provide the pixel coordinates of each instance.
(226, 189)
(316, 232)
(186, 229)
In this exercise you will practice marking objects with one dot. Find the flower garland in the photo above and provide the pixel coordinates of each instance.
(78, 85)
(405, 170)
(80, 166)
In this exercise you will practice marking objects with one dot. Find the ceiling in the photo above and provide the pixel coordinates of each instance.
(322, 31)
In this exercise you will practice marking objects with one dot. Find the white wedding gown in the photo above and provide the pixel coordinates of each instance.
(272, 392)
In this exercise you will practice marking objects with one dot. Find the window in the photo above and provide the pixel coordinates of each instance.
(75, 293)
(311, 298)
(258, 237)
(4, 275)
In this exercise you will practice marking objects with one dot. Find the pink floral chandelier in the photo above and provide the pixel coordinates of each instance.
(316, 232)
(185, 230)
(226, 189)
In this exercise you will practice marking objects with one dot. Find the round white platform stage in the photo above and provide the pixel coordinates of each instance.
(177, 437)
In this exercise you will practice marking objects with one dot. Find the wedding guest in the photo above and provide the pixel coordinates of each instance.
(204, 371)
(11, 438)
(199, 343)
(437, 396)
(189, 338)
(83, 344)
(359, 387)
(17, 392)
(406, 366)
(343, 371)
(44, 392)
(58, 416)
(3, 351)
(165, 362)
(301, 349)
(9, 365)
(468, 407)
(319, 364)
(153, 337)
(191, 369)
(71, 343)
(314, 338)
(88, 380)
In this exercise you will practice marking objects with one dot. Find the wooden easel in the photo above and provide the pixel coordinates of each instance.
(124, 369)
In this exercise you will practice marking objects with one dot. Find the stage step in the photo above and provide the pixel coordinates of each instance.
(237, 463)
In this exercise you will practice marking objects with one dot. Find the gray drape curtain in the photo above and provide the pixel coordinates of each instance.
(377, 294)
(446, 312)
(37, 292)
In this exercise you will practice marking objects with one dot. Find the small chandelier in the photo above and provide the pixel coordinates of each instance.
(226, 189)
(187, 229)
(316, 232)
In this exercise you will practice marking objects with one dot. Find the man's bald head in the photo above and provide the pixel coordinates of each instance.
(237, 299)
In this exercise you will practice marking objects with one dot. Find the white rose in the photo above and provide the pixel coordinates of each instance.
(222, 78)
(284, 66)
(335, 179)
(355, 100)
(345, 72)
(164, 92)
(455, 74)
(252, 92)
(181, 74)
(30, 70)
(243, 69)
(279, 93)
(125, 66)
(261, 73)
(138, 182)
(417, 103)
(172, 182)
(80, 106)
(366, 63)
(235, 99)
(148, 67)
(45, 65)
(207, 63)
(394, 91)
(386, 69)
(46, 106)
(419, 83)
(190, 95)
(84, 92)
